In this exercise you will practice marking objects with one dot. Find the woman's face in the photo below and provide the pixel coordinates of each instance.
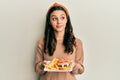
(58, 20)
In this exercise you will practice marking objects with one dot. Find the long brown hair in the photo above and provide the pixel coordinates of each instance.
(49, 36)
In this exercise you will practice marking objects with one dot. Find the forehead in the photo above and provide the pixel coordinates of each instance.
(58, 13)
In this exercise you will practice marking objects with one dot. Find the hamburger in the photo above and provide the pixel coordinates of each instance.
(64, 65)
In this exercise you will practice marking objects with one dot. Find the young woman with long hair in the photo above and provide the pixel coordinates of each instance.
(59, 42)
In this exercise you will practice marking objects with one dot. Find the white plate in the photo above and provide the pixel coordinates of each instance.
(48, 70)
(45, 69)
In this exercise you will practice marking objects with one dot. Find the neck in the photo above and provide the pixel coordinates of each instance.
(59, 35)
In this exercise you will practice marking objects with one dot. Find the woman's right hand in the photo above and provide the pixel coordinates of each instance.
(42, 65)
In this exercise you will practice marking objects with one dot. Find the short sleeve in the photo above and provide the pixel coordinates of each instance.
(39, 57)
(79, 58)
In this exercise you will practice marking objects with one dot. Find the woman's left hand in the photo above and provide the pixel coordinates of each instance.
(72, 64)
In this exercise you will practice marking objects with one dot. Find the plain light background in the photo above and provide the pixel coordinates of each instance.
(95, 22)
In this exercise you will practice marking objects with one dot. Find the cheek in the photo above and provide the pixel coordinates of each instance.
(52, 24)
(66, 22)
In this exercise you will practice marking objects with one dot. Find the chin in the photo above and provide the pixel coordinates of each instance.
(60, 30)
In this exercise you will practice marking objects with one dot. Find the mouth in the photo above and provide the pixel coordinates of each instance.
(59, 26)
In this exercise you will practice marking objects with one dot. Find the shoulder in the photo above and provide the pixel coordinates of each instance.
(78, 42)
(40, 42)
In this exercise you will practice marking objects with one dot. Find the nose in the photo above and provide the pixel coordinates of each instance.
(58, 21)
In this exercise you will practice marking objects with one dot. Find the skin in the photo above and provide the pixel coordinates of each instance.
(58, 20)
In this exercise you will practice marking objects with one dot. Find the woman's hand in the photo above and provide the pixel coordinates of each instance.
(42, 65)
(72, 64)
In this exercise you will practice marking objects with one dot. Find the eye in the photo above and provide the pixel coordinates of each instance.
(54, 19)
(62, 18)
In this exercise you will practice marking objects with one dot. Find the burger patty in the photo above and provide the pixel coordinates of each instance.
(63, 65)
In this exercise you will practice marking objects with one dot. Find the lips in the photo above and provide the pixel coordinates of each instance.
(59, 26)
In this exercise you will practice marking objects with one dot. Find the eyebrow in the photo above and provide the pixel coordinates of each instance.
(60, 15)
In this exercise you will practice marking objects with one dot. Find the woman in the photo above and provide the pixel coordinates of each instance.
(59, 42)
